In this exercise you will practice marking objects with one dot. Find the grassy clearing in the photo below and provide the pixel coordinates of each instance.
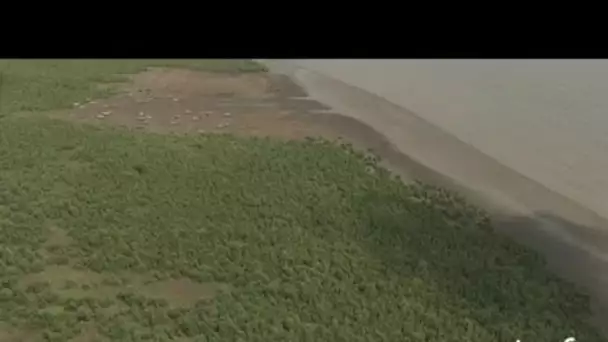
(27, 85)
(110, 235)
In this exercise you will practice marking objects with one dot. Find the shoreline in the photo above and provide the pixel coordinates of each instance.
(541, 118)
(572, 238)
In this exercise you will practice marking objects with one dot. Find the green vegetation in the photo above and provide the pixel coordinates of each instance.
(121, 236)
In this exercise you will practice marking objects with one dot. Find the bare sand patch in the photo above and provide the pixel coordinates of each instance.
(185, 101)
